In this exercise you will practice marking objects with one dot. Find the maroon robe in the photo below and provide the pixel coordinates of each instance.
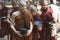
(35, 30)
(15, 9)
(4, 25)
(35, 34)
(46, 15)
(0, 19)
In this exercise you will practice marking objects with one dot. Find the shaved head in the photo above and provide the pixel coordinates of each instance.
(44, 5)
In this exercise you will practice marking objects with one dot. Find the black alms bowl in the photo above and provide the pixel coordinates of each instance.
(23, 31)
(4, 17)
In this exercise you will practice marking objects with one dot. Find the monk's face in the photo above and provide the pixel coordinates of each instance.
(34, 12)
(14, 4)
(44, 6)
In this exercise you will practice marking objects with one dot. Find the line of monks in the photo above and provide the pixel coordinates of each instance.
(36, 18)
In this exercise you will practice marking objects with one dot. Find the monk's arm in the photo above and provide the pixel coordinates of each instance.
(31, 26)
(11, 25)
(30, 30)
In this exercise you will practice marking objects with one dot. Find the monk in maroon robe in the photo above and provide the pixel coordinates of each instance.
(4, 25)
(35, 31)
(15, 7)
(46, 16)
(37, 23)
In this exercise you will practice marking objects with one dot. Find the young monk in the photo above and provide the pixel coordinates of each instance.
(37, 23)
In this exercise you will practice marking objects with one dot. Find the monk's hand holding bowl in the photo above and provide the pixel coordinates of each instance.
(28, 33)
(18, 33)
(30, 30)
(13, 28)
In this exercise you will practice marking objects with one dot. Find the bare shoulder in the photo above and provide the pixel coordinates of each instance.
(16, 13)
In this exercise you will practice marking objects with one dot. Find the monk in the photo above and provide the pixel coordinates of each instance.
(15, 6)
(46, 17)
(21, 19)
(4, 25)
(37, 23)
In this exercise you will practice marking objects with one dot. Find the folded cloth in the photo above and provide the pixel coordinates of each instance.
(37, 23)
